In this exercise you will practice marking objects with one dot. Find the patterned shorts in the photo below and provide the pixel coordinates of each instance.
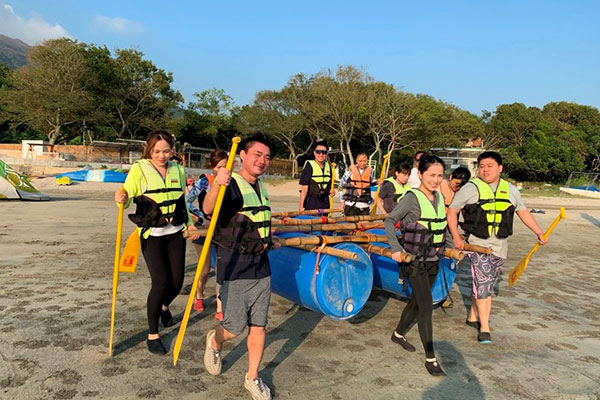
(485, 270)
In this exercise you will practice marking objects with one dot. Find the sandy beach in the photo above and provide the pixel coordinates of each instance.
(56, 263)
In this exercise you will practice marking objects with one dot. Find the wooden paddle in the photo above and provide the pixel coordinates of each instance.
(520, 268)
(115, 282)
(385, 160)
(332, 180)
(204, 254)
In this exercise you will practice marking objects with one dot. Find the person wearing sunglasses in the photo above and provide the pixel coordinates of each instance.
(316, 179)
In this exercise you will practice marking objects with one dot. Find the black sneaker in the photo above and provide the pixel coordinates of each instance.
(473, 324)
(166, 318)
(403, 342)
(484, 337)
(434, 369)
(155, 346)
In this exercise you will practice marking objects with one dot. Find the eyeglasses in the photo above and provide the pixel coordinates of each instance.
(321, 151)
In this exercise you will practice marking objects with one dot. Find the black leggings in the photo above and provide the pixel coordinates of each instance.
(420, 306)
(165, 257)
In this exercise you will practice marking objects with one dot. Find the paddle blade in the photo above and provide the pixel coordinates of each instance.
(516, 272)
(129, 258)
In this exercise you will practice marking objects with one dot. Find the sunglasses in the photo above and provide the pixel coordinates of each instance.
(321, 151)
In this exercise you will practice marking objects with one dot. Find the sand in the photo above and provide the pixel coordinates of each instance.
(57, 262)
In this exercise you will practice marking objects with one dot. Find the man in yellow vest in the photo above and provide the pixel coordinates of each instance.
(243, 237)
(488, 205)
(315, 180)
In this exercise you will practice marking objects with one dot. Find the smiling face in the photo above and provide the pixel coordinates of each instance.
(161, 153)
(432, 178)
(489, 170)
(320, 154)
(455, 184)
(361, 161)
(256, 160)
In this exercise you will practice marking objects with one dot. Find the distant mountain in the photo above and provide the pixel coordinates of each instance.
(13, 52)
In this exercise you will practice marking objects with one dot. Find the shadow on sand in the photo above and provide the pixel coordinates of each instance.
(461, 382)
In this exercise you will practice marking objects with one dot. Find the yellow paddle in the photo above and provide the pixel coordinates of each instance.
(129, 258)
(385, 159)
(518, 270)
(204, 253)
(332, 180)
(115, 276)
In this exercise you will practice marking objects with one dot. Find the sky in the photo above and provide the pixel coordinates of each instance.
(474, 54)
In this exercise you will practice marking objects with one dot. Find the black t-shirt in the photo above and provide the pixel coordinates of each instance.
(232, 265)
(312, 202)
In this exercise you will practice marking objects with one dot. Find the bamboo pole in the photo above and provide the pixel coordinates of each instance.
(319, 240)
(331, 251)
(478, 249)
(287, 214)
(453, 253)
(348, 226)
(329, 220)
(386, 252)
(328, 227)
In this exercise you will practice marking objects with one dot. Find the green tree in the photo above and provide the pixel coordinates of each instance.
(52, 91)
(217, 107)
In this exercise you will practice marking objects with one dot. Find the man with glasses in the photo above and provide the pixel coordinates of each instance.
(316, 179)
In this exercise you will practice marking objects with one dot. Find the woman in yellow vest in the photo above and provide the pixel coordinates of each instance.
(157, 187)
(217, 160)
(393, 189)
(423, 223)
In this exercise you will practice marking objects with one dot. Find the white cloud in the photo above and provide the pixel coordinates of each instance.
(118, 25)
(30, 30)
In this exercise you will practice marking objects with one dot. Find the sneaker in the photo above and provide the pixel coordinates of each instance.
(403, 342)
(257, 388)
(473, 324)
(155, 346)
(434, 369)
(198, 304)
(219, 316)
(484, 337)
(166, 318)
(212, 358)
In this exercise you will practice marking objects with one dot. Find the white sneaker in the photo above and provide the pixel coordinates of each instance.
(212, 358)
(257, 388)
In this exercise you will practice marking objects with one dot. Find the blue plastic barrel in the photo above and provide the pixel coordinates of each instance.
(340, 289)
(385, 274)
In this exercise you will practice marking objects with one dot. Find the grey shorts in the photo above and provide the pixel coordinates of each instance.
(485, 270)
(245, 303)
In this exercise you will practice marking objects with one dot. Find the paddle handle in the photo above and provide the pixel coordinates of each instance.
(385, 160)
(204, 254)
(333, 165)
(115, 277)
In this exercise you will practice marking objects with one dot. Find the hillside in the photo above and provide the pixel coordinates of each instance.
(12, 52)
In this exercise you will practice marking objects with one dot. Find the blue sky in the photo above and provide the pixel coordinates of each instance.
(474, 54)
